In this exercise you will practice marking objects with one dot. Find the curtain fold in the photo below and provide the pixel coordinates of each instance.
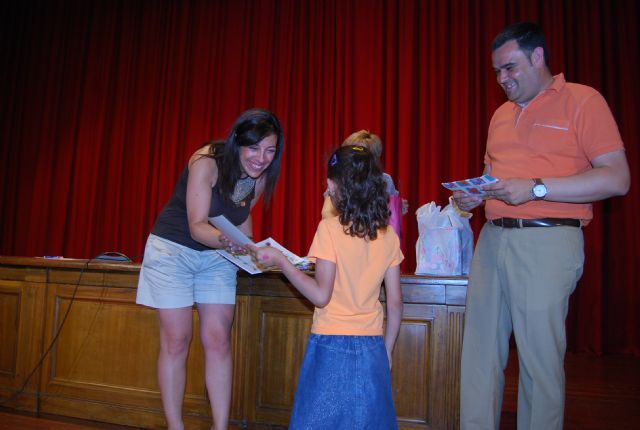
(104, 101)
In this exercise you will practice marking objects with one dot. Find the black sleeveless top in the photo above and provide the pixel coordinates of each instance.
(172, 223)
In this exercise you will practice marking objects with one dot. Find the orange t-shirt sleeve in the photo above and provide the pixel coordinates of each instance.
(322, 245)
(598, 131)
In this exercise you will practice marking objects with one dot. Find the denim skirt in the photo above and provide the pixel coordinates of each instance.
(344, 383)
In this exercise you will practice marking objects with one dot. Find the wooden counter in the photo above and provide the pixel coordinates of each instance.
(103, 364)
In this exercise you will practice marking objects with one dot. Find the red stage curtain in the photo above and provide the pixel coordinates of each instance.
(103, 101)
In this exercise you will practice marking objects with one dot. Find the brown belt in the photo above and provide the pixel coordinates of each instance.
(540, 222)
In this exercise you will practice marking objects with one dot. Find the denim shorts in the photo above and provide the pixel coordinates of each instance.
(175, 276)
(344, 383)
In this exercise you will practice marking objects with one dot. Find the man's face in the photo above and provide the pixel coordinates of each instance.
(516, 73)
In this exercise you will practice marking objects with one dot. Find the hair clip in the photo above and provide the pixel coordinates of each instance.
(333, 161)
(358, 148)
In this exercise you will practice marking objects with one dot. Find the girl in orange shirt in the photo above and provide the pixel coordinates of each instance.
(345, 378)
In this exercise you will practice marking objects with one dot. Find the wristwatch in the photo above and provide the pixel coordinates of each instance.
(539, 190)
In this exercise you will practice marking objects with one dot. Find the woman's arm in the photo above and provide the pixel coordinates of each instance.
(247, 227)
(203, 175)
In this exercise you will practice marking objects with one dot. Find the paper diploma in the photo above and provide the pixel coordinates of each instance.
(232, 232)
(471, 186)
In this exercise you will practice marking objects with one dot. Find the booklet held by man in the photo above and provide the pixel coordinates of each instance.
(471, 186)
(244, 261)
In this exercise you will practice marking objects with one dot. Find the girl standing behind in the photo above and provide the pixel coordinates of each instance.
(397, 205)
(345, 379)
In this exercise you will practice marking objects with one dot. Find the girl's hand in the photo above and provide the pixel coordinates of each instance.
(265, 256)
(231, 247)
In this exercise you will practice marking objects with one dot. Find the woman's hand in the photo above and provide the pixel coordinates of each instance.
(231, 247)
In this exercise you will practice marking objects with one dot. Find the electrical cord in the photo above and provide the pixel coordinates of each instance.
(105, 256)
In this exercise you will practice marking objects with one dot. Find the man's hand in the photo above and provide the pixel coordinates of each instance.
(466, 202)
(513, 191)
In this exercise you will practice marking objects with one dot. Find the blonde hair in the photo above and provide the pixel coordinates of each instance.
(364, 138)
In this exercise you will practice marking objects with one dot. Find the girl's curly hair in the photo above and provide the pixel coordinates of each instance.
(361, 198)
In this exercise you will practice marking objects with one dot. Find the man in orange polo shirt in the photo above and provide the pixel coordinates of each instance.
(555, 148)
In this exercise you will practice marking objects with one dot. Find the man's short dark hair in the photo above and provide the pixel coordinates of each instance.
(529, 36)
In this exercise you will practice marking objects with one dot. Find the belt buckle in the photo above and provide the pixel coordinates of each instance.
(519, 223)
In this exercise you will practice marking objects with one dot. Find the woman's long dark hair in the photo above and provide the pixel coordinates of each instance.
(361, 198)
(250, 128)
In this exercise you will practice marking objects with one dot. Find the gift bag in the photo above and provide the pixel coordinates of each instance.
(445, 241)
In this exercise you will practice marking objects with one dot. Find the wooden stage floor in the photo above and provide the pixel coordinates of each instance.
(602, 393)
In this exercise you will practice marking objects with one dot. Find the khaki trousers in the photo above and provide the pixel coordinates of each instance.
(520, 282)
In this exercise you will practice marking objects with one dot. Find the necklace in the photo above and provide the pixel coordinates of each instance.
(243, 188)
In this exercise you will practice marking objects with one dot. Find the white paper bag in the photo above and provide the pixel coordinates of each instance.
(445, 241)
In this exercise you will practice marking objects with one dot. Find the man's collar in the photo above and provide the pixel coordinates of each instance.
(556, 85)
(558, 82)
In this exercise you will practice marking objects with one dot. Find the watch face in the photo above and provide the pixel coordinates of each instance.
(539, 190)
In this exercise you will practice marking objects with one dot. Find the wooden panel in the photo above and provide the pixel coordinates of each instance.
(283, 326)
(125, 280)
(457, 295)
(9, 324)
(21, 310)
(11, 300)
(453, 356)
(20, 273)
(76, 277)
(105, 342)
(410, 375)
(241, 359)
(103, 366)
(101, 342)
(416, 376)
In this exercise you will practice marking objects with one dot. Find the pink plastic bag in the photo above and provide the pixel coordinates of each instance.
(395, 220)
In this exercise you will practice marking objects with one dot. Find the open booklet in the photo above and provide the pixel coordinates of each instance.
(245, 262)
(472, 185)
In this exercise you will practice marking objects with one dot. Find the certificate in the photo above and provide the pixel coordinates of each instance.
(244, 261)
(471, 186)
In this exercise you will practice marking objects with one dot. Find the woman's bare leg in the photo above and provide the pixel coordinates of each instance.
(215, 333)
(175, 337)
